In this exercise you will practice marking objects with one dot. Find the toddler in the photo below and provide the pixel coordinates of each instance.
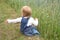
(28, 23)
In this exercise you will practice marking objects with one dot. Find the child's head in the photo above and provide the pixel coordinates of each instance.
(26, 11)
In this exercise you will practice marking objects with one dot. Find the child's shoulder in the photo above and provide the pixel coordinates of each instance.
(19, 18)
(31, 18)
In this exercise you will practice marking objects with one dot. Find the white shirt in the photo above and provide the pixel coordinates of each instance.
(31, 21)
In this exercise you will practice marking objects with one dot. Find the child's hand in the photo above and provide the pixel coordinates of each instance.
(6, 22)
(36, 18)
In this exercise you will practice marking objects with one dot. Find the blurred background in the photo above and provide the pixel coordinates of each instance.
(47, 11)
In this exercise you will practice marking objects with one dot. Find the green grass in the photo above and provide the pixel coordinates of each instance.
(47, 11)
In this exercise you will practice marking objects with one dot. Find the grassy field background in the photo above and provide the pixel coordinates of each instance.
(47, 11)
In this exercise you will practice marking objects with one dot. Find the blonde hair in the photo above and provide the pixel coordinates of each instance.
(26, 11)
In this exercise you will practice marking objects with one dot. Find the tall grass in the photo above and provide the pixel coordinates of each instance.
(47, 11)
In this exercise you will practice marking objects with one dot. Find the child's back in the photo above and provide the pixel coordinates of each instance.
(26, 29)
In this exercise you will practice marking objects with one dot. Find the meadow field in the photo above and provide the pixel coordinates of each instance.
(47, 11)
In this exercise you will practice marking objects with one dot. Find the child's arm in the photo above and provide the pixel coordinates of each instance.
(35, 22)
(14, 20)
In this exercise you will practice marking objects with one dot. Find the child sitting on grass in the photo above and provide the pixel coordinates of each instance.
(28, 23)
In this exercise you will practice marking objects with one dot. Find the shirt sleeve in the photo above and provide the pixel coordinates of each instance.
(32, 21)
(35, 22)
(14, 20)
